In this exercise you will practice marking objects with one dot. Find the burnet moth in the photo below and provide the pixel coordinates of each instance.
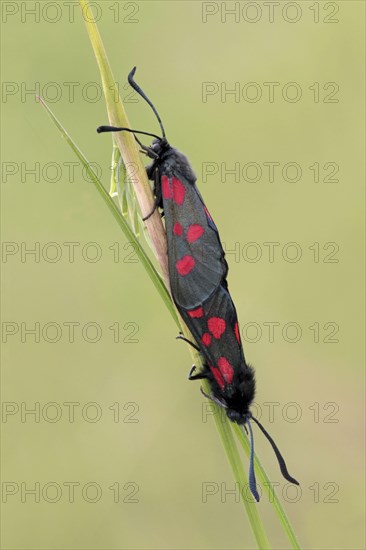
(197, 273)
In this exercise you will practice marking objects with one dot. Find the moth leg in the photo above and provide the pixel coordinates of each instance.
(156, 204)
(150, 171)
(146, 150)
(181, 337)
(197, 376)
(157, 190)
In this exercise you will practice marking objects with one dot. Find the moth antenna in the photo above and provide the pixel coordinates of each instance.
(281, 461)
(252, 480)
(102, 129)
(137, 88)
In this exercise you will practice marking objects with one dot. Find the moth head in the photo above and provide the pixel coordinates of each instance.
(237, 416)
(159, 145)
(240, 415)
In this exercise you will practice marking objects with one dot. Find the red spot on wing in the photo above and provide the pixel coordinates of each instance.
(194, 232)
(185, 265)
(236, 330)
(216, 326)
(177, 229)
(196, 313)
(166, 188)
(206, 339)
(226, 369)
(218, 377)
(178, 191)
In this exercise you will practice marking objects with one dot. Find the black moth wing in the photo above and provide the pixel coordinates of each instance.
(216, 331)
(196, 258)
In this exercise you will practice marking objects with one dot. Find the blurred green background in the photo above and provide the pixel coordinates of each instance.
(146, 465)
